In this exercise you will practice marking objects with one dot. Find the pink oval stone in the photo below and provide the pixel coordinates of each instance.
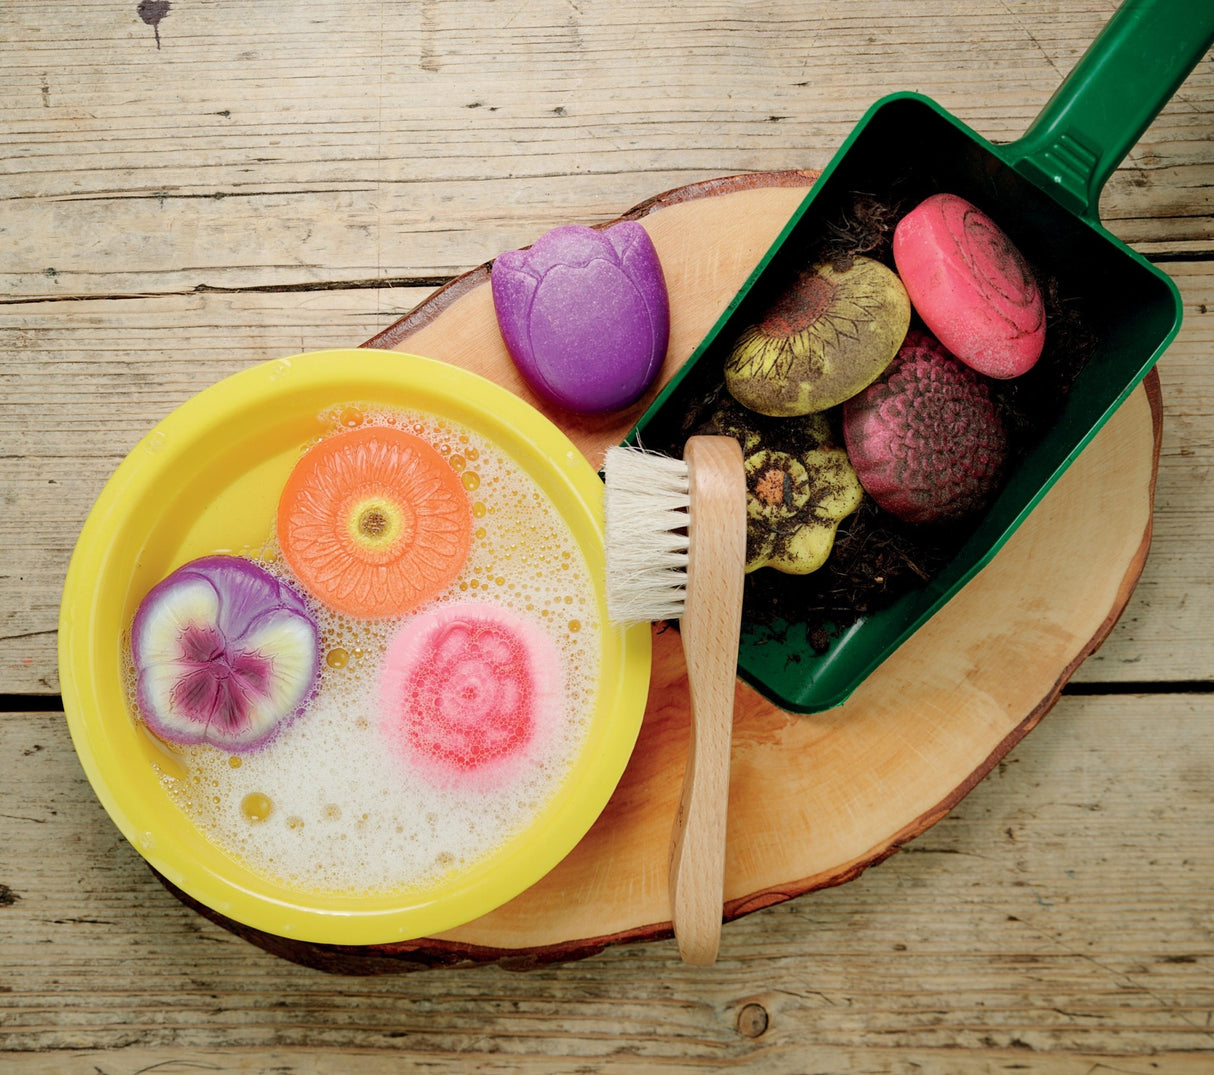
(971, 286)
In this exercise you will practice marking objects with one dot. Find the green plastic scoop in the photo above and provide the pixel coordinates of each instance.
(1043, 190)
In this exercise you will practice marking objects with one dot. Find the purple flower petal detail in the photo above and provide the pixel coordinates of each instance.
(224, 653)
(585, 314)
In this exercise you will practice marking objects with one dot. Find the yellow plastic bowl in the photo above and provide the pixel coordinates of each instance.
(207, 480)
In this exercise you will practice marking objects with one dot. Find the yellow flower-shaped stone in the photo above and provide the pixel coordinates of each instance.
(825, 338)
(799, 487)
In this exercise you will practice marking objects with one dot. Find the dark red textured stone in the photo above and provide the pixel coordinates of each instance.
(925, 438)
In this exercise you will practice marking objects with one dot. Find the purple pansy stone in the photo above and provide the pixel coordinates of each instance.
(584, 314)
(224, 653)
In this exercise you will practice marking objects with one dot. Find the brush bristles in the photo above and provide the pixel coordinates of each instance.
(646, 511)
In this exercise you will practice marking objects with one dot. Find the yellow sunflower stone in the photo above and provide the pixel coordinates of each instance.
(825, 338)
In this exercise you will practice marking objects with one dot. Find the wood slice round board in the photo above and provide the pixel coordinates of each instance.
(814, 800)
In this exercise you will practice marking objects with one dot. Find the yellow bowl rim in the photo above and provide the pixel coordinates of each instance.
(228, 888)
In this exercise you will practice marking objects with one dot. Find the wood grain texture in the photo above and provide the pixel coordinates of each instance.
(112, 369)
(1061, 917)
(1169, 621)
(278, 178)
(372, 142)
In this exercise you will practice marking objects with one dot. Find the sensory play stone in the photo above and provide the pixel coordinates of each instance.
(374, 522)
(971, 286)
(224, 653)
(471, 692)
(799, 486)
(825, 337)
(584, 314)
(925, 438)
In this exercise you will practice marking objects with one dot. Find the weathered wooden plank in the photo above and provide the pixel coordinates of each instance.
(836, 1059)
(1057, 920)
(1167, 631)
(81, 382)
(1061, 912)
(323, 141)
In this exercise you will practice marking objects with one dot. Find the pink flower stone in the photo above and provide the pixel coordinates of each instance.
(925, 439)
(470, 692)
(584, 314)
(224, 653)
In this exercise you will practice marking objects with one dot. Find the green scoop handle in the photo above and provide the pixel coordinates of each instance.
(1110, 98)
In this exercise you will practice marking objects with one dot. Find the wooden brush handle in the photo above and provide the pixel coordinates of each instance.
(710, 627)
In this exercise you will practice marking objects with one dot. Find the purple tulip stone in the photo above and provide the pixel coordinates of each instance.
(584, 314)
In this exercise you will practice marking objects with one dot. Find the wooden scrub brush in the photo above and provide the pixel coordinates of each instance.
(676, 549)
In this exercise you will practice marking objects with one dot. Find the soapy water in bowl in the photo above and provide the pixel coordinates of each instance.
(356, 795)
